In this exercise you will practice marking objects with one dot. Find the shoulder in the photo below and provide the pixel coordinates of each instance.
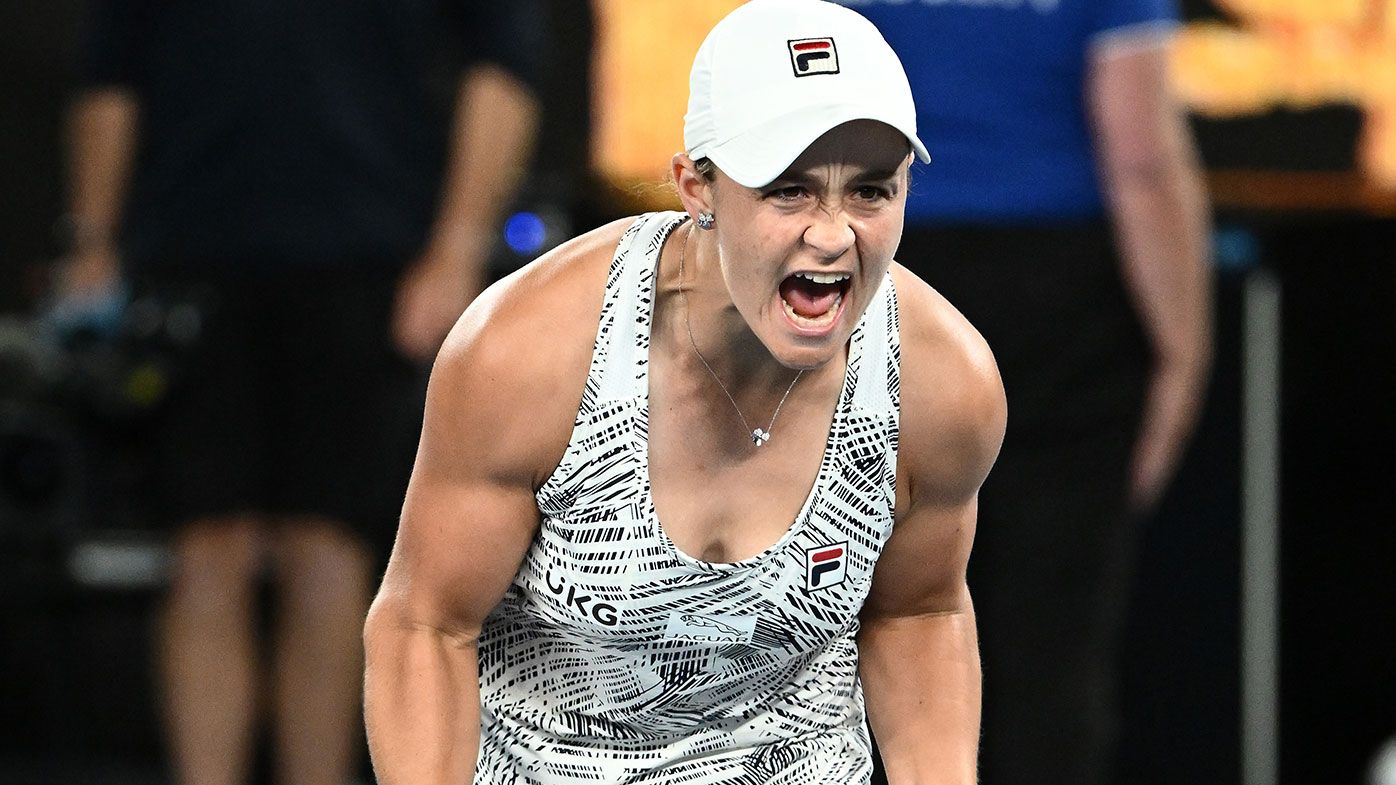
(953, 408)
(511, 373)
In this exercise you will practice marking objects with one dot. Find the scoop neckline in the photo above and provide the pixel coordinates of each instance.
(642, 381)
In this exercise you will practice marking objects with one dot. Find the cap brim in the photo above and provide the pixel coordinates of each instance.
(761, 154)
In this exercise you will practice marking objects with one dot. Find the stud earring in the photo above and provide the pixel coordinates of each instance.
(706, 221)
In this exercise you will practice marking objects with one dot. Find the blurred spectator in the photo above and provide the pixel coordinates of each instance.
(1064, 215)
(323, 181)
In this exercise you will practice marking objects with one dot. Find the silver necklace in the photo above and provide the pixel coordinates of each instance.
(759, 436)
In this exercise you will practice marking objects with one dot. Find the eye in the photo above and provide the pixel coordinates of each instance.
(789, 193)
(873, 193)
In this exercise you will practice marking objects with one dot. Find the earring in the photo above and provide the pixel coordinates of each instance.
(706, 221)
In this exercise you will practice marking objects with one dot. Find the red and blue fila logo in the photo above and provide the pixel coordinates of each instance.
(825, 566)
(813, 56)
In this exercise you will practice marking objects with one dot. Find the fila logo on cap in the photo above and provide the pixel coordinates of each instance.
(825, 566)
(813, 56)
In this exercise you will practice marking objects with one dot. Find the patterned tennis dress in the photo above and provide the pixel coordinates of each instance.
(616, 658)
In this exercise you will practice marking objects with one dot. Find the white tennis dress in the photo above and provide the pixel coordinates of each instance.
(616, 658)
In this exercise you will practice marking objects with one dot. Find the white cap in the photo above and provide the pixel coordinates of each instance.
(774, 75)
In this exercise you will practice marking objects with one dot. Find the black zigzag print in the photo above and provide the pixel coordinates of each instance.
(616, 658)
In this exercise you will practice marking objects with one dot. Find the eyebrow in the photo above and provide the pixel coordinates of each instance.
(805, 176)
(878, 174)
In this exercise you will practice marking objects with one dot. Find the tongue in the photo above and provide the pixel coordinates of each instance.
(807, 298)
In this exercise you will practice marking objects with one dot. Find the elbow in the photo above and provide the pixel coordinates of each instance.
(387, 620)
(1153, 171)
(1163, 164)
(392, 622)
(376, 624)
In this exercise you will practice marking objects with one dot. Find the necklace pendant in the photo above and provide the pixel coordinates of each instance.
(760, 437)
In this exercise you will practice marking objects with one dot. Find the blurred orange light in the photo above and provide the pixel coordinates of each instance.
(1298, 54)
(645, 49)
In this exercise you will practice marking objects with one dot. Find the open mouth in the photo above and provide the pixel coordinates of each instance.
(812, 300)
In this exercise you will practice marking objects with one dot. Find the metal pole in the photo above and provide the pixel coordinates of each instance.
(1260, 540)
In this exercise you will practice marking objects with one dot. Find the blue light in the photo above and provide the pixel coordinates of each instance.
(525, 233)
(1236, 249)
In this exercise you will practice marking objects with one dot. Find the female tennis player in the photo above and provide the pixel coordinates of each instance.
(696, 490)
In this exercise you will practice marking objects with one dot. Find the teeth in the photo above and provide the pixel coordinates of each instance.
(824, 278)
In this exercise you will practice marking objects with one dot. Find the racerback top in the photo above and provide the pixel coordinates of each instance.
(616, 658)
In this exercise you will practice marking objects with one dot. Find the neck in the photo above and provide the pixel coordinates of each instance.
(692, 298)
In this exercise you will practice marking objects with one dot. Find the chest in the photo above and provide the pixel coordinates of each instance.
(647, 547)
(658, 611)
(718, 495)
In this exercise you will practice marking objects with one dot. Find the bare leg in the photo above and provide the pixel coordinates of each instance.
(207, 652)
(324, 577)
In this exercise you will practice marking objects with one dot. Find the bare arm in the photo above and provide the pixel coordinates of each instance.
(1156, 196)
(496, 117)
(102, 128)
(491, 139)
(918, 650)
(919, 659)
(466, 524)
(500, 408)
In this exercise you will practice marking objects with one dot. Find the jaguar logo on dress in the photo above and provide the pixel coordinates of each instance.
(826, 566)
(710, 627)
(813, 56)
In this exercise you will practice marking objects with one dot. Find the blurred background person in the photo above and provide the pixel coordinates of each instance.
(322, 182)
(1064, 215)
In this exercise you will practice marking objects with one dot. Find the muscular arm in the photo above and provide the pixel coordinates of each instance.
(499, 411)
(918, 651)
(466, 523)
(1156, 196)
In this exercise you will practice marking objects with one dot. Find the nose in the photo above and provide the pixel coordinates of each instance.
(829, 234)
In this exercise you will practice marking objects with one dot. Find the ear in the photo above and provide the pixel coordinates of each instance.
(695, 192)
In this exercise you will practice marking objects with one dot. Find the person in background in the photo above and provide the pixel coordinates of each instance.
(324, 180)
(1064, 215)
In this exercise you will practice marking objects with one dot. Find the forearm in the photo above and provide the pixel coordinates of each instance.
(492, 138)
(921, 681)
(1161, 219)
(421, 704)
(101, 141)
(1162, 222)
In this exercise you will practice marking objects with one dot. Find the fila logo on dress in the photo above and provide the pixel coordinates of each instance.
(826, 566)
(813, 56)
